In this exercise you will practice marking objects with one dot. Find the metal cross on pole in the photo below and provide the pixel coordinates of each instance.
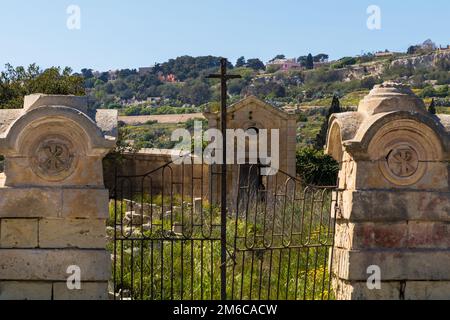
(224, 77)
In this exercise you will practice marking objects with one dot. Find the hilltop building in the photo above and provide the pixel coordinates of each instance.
(285, 64)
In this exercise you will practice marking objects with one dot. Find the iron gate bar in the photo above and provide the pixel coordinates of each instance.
(316, 201)
(297, 255)
(283, 258)
(224, 77)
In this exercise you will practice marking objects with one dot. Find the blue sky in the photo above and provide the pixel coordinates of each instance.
(129, 34)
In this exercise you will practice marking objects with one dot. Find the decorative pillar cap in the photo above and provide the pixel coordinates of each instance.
(36, 100)
(390, 105)
(391, 96)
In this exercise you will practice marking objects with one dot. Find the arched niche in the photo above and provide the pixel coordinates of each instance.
(403, 150)
(51, 145)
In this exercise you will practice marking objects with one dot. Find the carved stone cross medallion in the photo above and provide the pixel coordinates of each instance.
(403, 161)
(53, 158)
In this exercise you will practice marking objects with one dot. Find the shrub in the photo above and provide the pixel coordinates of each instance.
(346, 61)
(314, 167)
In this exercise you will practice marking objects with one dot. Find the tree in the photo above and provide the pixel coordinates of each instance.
(321, 138)
(187, 67)
(15, 83)
(278, 57)
(104, 76)
(195, 92)
(255, 64)
(321, 57)
(240, 62)
(87, 73)
(235, 86)
(429, 45)
(302, 60)
(432, 107)
(412, 49)
(343, 62)
(309, 62)
(314, 167)
(428, 92)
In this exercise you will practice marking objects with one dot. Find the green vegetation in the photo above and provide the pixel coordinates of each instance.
(321, 137)
(314, 167)
(168, 265)
(155, 135)
(17, 82)
(152, 135)
(343, 62)
(144, 110)
(432, 107)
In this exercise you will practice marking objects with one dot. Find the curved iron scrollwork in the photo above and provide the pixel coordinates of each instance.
(166, 239)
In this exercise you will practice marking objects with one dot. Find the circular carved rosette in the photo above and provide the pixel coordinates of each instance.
(403, 161)
(402, 165)
(54, 158)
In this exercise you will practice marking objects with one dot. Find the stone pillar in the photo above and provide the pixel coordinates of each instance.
(395, 204)
(53, 205)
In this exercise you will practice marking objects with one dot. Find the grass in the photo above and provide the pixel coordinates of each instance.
(155, 135)
(349, 100)
(282, 254)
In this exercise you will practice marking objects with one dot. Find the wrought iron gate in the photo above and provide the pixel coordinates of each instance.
(166, 241)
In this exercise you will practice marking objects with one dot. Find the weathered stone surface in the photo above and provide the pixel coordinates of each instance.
(30, 202)
(412, 234)
(34, 101)
(88, 291)
(86, 173)
(53, 202)
(52, 197)
(198, 205)
(412, 264)
(395, 203)
(19, 233)
(85, 203)
(427, 290)
(72, 233)
(25, 290)
(136, 219)
(401, 205)
(369, 176)
(395, 290)
(52, 264)
(359, 291)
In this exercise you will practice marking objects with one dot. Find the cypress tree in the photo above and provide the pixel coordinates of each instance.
(321, 137)
(432, 107)
(309, 62)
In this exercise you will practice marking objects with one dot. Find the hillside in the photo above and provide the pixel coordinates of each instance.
(182, 82)
(180, 86)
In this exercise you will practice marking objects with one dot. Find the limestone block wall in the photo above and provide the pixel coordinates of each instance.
(174, 179)
(53, 204)
(395, 201)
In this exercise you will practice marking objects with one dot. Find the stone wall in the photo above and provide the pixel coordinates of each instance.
(53, 204)
(394, 203)
(250, 112)
(150, 170)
